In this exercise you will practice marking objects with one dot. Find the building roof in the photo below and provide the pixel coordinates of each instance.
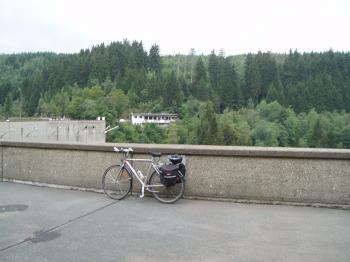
(154, 114)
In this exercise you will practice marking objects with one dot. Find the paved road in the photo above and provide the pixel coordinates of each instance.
(45, 224)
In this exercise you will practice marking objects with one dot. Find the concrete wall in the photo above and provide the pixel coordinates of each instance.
(248, 173)
(81, 131)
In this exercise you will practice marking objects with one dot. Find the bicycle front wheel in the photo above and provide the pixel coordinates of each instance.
(166, 194)
(116, 182)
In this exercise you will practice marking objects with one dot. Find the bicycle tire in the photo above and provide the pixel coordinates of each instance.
(167, 195)
(116, 182)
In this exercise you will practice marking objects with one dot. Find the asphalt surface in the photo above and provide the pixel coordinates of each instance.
(46, 224)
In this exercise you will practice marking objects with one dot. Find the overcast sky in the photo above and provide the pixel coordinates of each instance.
(237, 26)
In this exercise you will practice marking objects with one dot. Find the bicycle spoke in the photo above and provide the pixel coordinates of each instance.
(116, 182)
(173, 194)
(166, 194)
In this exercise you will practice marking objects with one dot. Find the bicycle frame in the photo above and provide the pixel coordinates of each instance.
(128, 165)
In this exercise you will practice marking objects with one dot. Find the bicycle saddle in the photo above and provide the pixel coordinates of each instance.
(155, 154)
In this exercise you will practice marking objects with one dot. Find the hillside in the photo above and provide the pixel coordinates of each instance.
(116, 79)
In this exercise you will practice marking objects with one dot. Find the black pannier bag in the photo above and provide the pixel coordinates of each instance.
(182, 169)
(169, 174)
(178, 160)
(173, 172)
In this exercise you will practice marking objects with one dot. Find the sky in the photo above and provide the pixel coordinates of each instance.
(236, 26)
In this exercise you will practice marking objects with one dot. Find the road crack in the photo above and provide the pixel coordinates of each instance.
(45, 235)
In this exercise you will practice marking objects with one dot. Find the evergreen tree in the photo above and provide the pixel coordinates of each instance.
(172, 136)
(207, 130)
(200, 86)
(153, 88)
(252, 79)
(138, 59)
(8, 105)
(154, 59)
(298, 96)
(134, 83)
(172, 95)
(230, 94)
(99, 64)
(84, 67)
(113, 50)
(276, 93)
(213, 71)
(267, 72)
(191, 63)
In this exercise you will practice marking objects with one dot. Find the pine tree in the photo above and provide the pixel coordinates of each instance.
(154, 61)
(252, 79)
(213, 71)
(207, 130)
(138, 56)
(228, 88)
(172, 95)
(267, 72)
(200, 86)
(191, 63)
(298, 97)
(8, 105)
(276, 93)
(84, 67)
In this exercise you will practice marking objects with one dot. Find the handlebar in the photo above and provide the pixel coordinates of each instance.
(124, 150)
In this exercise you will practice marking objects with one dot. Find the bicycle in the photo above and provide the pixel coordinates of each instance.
(117, 180)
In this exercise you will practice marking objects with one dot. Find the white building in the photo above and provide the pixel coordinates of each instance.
(153, 118)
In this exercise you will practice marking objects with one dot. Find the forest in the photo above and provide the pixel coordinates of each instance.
(263, 99)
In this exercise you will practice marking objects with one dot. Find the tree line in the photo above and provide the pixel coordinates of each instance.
(122, 77)
(267, 124)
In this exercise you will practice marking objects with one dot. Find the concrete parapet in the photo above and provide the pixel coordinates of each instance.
(222, 172)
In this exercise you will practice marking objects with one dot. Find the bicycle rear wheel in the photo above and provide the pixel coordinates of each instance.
(165, 194)
(116, 182)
